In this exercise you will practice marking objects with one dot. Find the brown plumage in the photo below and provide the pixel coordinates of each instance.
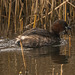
(39, 37)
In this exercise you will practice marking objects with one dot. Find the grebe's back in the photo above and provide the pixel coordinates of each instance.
(39, 37)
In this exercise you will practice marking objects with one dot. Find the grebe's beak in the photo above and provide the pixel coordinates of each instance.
(68, 30)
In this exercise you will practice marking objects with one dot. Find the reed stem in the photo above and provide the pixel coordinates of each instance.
(65, 12)
(69, 44)
(34, 26)
(23, 55)
(9, 14)
(61, 69)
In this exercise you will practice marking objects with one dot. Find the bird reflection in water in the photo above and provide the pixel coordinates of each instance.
(49, 51)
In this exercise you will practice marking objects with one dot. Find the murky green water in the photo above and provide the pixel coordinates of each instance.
(39, 61)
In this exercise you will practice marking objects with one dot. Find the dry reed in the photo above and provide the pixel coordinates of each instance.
(61, 69)
(24, 61)
(9, 14)
(69, 44)
(34, 26)
(47, 10)
(53, 71)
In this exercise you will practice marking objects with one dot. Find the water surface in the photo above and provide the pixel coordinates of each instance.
(37, 61)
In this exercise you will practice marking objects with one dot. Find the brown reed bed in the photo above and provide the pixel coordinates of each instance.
(17, 15)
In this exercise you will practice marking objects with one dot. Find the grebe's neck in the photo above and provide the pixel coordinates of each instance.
(56, 35)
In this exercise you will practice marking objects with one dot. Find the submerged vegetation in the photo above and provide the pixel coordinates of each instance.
(17, 16)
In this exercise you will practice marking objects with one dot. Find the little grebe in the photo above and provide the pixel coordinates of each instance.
(39, 37)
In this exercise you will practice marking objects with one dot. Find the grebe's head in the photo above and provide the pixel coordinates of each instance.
(60, 26)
